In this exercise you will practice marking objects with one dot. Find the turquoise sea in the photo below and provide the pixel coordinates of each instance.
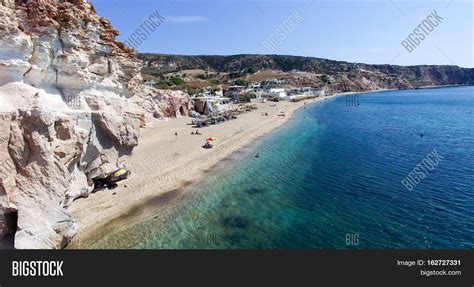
(331, 178)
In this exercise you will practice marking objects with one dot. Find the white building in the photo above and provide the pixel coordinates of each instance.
(256, 86)
(211, 105)
(278, 93)
(257, 91)
(306, 92)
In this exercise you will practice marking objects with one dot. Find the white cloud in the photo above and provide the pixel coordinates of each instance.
(186, 19)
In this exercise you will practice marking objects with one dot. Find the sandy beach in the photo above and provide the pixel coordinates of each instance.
(164, 164)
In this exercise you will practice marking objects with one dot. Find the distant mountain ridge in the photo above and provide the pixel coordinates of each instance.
(340, 75)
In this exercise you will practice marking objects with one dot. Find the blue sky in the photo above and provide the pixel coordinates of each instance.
(369, 31)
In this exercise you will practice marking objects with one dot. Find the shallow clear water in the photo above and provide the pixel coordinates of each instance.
(334, 172)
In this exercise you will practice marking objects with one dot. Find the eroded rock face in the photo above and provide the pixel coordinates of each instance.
(162, 104)
(65, 114)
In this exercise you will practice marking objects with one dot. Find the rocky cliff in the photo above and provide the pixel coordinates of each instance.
(66, 116)
(162, 104)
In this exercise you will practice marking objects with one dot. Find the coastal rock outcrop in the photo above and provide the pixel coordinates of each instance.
(66, 116)
(162, 104)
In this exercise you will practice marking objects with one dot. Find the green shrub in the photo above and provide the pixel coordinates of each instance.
(326, 79)
(247, 97)
(241, 82)
(214, 82)
(163, 85)
(177, 81)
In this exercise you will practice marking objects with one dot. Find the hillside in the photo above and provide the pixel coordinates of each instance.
(336, 76)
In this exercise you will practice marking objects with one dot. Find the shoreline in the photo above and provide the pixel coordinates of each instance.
(164, 166)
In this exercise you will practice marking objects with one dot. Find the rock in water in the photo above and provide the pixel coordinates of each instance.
(65, 114)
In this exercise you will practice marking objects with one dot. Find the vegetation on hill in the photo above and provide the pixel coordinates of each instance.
(335, 76)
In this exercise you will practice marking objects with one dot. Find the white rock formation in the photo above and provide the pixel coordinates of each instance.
(163, 104)
(65, 114)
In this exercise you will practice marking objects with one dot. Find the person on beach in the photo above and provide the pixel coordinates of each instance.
(207, 145)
